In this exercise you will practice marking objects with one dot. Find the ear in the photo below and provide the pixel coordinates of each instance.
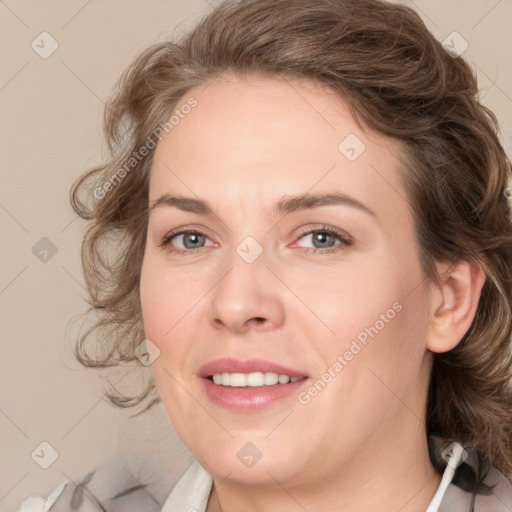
(453, 305)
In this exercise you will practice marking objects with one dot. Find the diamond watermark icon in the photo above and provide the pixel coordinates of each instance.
(351, 147)
(44, 45)
(44, 250)
(455, 44)
(454, 455)
(249, 249)
(45, 455)
(249, 455)
(147, 352)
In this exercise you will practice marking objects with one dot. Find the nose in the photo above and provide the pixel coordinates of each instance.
(246, 298)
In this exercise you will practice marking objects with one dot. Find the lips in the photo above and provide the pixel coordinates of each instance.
(249, 398)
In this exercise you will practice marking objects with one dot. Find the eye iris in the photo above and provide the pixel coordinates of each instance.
(193, 240)
(323, 240)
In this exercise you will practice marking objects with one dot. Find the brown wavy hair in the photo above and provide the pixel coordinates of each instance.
(398, 80)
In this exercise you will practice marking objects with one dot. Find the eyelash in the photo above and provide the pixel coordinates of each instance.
(346, 240)
(166, 241)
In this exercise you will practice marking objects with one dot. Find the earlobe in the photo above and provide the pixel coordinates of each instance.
(454, 305)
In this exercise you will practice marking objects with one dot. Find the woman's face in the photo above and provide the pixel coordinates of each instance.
(281, 245)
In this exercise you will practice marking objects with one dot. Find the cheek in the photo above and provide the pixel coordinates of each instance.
(166, 299)
(374, 315)
(345, 302)
(370, 368)
(163, 306)
(161, 312)
(382, 350)
(171, 302)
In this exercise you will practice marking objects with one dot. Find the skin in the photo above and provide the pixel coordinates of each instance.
(360, 443)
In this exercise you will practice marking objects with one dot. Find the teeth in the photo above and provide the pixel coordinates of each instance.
(271, 379)
(256, 379)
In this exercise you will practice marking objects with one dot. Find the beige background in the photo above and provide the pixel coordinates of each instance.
(50, 133)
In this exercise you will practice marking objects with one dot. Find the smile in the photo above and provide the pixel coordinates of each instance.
(250, 385)
(254, 379)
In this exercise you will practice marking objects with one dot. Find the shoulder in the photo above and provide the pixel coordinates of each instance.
(500, 495)
(111, 487)
(39, 504)
(495, 495)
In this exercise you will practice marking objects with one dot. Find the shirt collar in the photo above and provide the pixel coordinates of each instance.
(192, 491)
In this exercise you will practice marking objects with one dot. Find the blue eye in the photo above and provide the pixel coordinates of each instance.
(321, 239)
(324, 240)
(185, 241)
(190, 240)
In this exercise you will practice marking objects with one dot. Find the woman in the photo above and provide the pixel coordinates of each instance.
(313, 237)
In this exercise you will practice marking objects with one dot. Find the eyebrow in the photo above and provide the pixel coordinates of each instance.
(284, 206)
(187, 204)
(308, 200)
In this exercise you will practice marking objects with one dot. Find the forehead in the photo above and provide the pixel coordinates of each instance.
(254, 139)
